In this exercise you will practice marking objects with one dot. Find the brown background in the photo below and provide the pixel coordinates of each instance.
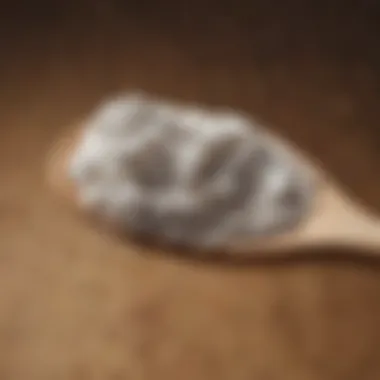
(74, 305)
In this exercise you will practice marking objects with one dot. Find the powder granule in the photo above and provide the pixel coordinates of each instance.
(186, 175)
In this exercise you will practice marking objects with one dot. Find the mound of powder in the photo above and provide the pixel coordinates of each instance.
(186, 175)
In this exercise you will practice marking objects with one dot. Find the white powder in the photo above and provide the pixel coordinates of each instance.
(186, 175)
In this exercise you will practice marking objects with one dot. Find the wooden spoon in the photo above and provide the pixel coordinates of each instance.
(334, 219)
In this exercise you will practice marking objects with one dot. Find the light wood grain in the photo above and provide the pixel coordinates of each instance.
(74, 305)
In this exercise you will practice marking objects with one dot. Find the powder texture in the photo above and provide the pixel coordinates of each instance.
(186, 175)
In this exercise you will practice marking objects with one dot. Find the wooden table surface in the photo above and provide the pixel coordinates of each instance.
(75, 305)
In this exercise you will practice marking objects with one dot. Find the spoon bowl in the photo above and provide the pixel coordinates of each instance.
(334, 219)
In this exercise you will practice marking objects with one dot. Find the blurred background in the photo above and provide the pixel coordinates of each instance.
(74, 305)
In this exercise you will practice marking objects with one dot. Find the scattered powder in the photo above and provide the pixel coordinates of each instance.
(186, 175)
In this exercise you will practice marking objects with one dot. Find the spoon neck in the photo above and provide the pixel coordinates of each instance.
(362, 229)
(352, 223)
